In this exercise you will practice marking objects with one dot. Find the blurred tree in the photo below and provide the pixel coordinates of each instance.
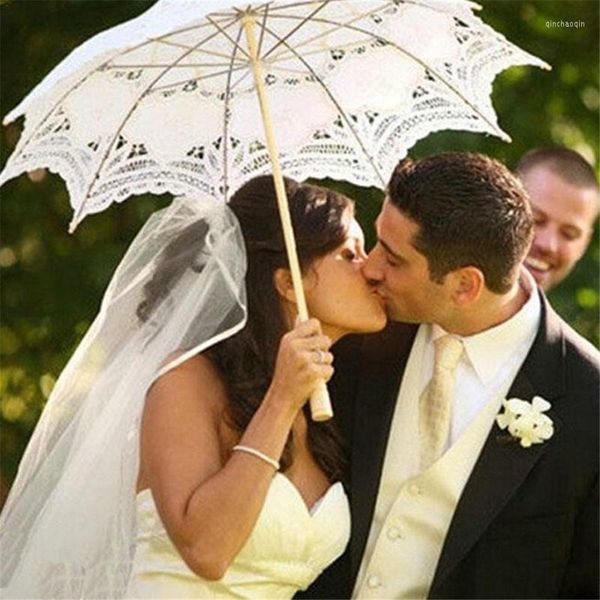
(52, 283)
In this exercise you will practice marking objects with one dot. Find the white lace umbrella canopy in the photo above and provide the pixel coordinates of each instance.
(166, 102)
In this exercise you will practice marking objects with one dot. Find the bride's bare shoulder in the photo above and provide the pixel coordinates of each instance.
(181, 431)
(197, 364)
(195, 378)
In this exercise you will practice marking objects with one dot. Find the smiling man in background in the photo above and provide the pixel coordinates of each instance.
(564, 196)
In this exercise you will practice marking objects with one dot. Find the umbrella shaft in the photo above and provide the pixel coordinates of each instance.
(284, 211)
(319, 402)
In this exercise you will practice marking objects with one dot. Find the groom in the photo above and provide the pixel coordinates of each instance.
(445, 502)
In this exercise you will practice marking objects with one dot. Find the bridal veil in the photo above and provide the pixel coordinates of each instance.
(68, 526)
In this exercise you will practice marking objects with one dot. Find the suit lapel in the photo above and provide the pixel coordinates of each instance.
(502, 466)
(384, 357)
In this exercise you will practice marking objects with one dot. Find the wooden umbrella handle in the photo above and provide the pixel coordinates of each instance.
(320, 404)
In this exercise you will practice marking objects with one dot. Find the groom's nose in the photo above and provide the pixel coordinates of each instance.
(372, 267)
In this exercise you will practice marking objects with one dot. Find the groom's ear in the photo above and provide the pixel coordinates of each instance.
(282, 280)
(469, 283)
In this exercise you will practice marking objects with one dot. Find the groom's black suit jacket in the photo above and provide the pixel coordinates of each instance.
(526, 525)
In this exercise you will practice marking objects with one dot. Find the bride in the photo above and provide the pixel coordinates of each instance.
(176, 456)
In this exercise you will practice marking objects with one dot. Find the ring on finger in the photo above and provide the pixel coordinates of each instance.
(320, 359)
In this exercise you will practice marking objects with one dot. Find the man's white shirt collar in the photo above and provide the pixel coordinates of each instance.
(488, 350)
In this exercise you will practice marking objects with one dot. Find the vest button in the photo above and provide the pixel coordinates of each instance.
(373, 581)
(394, 533)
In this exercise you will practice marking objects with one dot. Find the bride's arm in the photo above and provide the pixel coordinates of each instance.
(209, 507)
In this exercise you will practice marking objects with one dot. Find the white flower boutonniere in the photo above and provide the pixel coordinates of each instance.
(526, 421)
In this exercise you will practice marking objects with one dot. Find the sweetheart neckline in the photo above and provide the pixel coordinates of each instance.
(317, 504)
(290, 484)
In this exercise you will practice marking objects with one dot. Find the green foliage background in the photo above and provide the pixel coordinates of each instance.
(52, 282)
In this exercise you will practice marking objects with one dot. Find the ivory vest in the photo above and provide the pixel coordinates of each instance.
(413, 511)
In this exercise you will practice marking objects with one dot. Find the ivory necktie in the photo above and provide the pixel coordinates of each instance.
(436, 400)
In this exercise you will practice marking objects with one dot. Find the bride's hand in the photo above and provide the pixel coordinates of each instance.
(303, 360)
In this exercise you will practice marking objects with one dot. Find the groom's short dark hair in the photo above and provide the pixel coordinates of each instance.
(471, 211)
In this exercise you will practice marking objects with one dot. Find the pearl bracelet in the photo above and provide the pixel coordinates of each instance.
(258, 454)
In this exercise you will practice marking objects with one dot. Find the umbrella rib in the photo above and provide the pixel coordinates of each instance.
(200, 78)
(262, 29)
(338, 106)
(285, 55)
(290, 33)
(163, 39)
(245, 75)
(226, 116)
(413, 57)
(292, 5)
(76, 86)
(287, 70)
(226, 35)
(335, 27)
(230, 18)
(165, 65)
(120, 128)
(211, 75)
(341, 25)
(199, 50)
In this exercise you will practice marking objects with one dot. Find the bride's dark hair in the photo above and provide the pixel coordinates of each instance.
(246, 360)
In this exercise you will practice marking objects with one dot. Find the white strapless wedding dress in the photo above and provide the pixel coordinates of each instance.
(286, 551)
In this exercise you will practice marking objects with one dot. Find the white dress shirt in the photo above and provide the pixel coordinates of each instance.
(490, 361)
